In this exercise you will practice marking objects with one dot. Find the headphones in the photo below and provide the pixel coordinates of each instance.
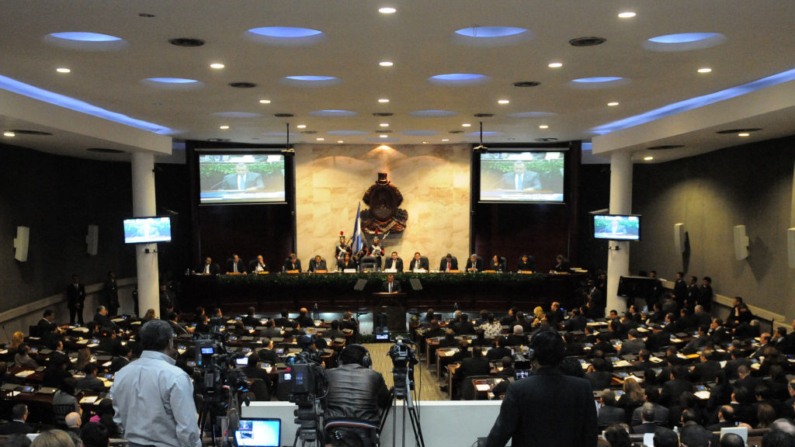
(367, 361)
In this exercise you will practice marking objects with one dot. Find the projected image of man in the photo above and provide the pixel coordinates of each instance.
(242, 179)
(520, 179)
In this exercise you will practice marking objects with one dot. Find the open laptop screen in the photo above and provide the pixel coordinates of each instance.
(259, 433)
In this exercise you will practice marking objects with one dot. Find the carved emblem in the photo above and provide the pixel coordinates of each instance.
(384, 215)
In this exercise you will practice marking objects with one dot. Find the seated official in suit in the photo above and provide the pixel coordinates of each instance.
(448, 263)
(391, 285)
(419, 263)
(520, 178)
(474, 264)
(496, 264)
(394, 262)
(258, 265)
(609, 413)
(292, 263)
(527, 263)
(47, 322)
(317, 264)
(303, 318)
(242, 179)
(208, 268)
(346, 263)
(18, 425)
(102, 320)
(235, 265)
(562, 265)
(477, 365)
(90, 382)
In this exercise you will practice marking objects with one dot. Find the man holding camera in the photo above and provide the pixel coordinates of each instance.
(547, 408)
(356, 394)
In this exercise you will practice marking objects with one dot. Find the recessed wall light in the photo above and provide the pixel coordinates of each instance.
(320, 139)
(9, 134)
(503, 101)
(264, 101)
(224, 127)
(705, 70)
(340, 141)
(627, 15)
(386, 63)
(63, 70)
(543, 126)
(424, 142)
(555, 65)
(383, 136)
(301, 126)
(445, 139)
(383, 100)
(612, 104)
(744, 134)
(387, 10)
(384, 124)
(217, 66)
(648, 158)
(466, 125)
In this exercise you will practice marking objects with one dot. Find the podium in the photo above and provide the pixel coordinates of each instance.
(394, 305)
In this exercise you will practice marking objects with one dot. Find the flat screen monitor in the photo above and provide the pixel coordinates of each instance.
(616, 227)
(516, 176)
(241, 178)
(259, 433)
(147, 230)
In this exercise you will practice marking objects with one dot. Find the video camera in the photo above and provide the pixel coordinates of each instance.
(403, 360)
(309, 386)
(216, 363)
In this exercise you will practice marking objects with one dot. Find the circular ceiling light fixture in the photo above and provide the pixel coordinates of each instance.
(587, 41)
(285, 35)
(705, 70)
(217, 66)
(458, 79)
(387, 10)
(524, 84)
(386, 63)
(63, 70)
(555, 65)
(242, 84)
(612, 104)
(684, 42)
(383, 114)
(489, 32)
(187, 42)
(86, 37)
(626, 15)
(311, 81)
(264, 101)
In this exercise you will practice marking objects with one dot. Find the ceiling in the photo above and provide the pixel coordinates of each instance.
(420, 39)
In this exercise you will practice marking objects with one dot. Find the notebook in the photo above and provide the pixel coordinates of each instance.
(257, 432)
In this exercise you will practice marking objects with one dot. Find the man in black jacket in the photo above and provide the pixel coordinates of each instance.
(546, 408)
(75, 299)
(18, 424)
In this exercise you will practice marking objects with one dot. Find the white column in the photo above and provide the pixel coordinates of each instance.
(620, 203)
(143, 182)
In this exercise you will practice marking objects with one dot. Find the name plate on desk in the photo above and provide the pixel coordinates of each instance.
(293, 272)
(232, 273)
(526, 272)
(321, 271)
(263, 273)
(489, 271)
(420, 271)
(390, 270)
(349, 271)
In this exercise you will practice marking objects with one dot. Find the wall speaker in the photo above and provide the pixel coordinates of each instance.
(791, 247)
(21, 243)
(679, 237)
(92, 240)
(740, 242)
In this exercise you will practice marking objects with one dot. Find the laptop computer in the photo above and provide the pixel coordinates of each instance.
(259, 432)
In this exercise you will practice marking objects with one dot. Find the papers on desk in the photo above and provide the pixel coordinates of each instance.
(349, 271)
(117, 320)
(3, 351)
(482, 387)
(723, 364)
(92, 345)
(80, 329)
(755, 366)
(108, 363)
(88, 400)
(24, 374)
(622, 364)
(703, 395)
(642, 329)
(81, 342)
(676, 340)
(679, 355)
(585, 365)
(654, 359)
(14, 393)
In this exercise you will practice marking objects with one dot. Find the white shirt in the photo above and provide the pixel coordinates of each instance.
(154, 404)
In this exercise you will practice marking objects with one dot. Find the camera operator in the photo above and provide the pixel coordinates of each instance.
(356, 394)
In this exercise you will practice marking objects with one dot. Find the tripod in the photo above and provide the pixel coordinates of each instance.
(402, 390)
(210, 409)
(310, 432)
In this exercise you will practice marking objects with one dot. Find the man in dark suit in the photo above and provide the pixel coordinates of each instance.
(303, 318)
(448, 263)
(394, 262)
(609, 413)
(725, 419)
(112, 294)
(474, 264)
(391, 285)
(634, 345)
(90, 382)
(258, 265)
(235, 265)
(292, 263)
(419, 263)
(268, 355)
(500, 351)
(242, 180)
(47, 322)
(680, 289)
(692, 293)
(546, 408)
(520, 179)
(317, 263)
(705, 294)
(527, 264)
(697, 343)
(18, 425)
(647, 413)
(208, 268)
(674, 388)
(75, 299)
(705, 370)
(121, 360)
(576, 322)
(477, 365)
(284, 320)
(651, 396)
(102, 320)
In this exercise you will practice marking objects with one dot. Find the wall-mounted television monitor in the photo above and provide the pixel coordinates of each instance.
(228, 178)
(616, 227)
(522, 176)
(147, 230)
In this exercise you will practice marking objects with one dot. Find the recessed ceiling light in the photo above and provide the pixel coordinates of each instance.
(340, 141)
(217, 66)
(387, 10)
(648, 158)
(612, 104)
(386, 64)
(445, 139)
(543, 126)
(627, 15)
(424, 142)
(383, 100)
(744, 134)
(705, 70)
(63, 70)
(224, 127)
(555, 65)
(466, 125)
(9, 134)
(264, 101)
(320, 139)
(383, 135)
(384, 124)
(301, 126)
(503, 101)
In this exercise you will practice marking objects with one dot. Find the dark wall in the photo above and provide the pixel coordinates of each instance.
(58, 197)
(594, 195)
